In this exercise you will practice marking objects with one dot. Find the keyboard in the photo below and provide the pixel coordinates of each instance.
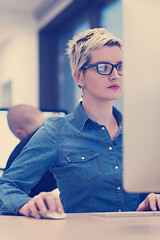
(126, 214)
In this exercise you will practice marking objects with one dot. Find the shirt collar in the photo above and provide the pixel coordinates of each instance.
(118, 116)
(80, 116)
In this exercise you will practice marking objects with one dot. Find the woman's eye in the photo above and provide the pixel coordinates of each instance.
(102, 67)
(119, 67)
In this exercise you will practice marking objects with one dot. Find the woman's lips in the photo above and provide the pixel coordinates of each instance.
(114, 87)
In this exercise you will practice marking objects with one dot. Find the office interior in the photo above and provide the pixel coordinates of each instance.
(33, 66)
(35, 70)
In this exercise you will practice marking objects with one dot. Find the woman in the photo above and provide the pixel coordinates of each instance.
(83, 149)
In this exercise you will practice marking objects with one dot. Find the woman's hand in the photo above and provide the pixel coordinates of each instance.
(151, 203)
(42, 202)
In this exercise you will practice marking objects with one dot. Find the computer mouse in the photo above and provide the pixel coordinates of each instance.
(53, 215)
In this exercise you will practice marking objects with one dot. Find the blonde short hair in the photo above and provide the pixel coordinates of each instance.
(80, 47)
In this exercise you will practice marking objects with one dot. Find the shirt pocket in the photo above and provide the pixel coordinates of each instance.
(84, 165)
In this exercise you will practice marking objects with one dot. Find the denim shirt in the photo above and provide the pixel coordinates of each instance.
(86, 163)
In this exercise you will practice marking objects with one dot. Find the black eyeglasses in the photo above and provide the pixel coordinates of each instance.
(105, 68)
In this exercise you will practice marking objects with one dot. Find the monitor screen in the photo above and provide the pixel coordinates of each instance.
(141, 99)
(8, 141)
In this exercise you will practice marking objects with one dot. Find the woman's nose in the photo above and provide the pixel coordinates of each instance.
(114, 74)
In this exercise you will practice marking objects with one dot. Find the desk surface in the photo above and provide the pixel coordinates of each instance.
(80, 227)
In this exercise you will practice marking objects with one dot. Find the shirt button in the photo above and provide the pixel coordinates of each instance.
(116, 167)
(118, 188)
(110, 148)
(82, 158)
(103, 128)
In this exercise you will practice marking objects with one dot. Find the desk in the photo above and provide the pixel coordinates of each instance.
(82, 226)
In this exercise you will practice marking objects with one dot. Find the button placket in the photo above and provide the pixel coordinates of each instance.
(116, 167)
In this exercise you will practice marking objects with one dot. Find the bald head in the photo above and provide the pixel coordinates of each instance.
(24, 119)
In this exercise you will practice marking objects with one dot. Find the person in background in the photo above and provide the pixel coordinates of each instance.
(82, 149)
(23, 121)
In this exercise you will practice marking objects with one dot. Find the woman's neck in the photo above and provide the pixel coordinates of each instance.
(102, 114)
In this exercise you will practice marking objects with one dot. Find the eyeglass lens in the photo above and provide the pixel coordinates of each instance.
(106, 68)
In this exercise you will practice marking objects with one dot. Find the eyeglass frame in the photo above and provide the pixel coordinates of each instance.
(96, 65)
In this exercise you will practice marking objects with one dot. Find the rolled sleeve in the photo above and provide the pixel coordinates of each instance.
(35, 159)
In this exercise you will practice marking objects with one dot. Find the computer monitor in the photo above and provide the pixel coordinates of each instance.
(8, 141)
(141, 99)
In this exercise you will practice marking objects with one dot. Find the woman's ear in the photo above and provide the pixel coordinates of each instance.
(79, 78)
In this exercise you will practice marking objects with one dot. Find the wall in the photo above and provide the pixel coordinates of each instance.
(19, 64)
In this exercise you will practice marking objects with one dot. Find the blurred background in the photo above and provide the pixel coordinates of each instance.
(33, 34)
